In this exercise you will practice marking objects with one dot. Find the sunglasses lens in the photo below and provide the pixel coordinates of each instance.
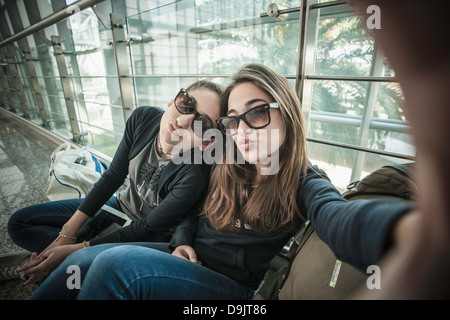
(255, 118)
(184, 103)
(230, 124)
(258, 117)
(204, 121)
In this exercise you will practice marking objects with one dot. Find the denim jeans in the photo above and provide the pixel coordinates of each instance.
(130, 272)
(34, 228)
(55, 285)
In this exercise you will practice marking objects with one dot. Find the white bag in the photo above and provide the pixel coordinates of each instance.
(72, 173)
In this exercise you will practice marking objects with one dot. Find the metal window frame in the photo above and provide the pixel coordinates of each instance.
(67, 89)
(120, 44)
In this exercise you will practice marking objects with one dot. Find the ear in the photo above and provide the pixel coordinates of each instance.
(205, 144)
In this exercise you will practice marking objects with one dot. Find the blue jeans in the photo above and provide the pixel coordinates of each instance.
(34, 228)
(130, 272)
(55, 285)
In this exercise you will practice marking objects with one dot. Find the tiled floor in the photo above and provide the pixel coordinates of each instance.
(24, 164)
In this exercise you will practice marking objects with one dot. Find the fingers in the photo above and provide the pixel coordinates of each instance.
(35, 268)
(34, 278)
(182, 252)
(28, 266)
(37, 272)
(34, 261)
(187, 253)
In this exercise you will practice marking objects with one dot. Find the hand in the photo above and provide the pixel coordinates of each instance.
(70, 229)
(407, 228)
(40, 266)
(187, 253)
(59, 241)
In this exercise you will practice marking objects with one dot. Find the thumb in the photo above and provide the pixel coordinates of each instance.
(192, 256)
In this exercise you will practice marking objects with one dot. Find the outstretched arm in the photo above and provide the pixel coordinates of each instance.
(414, 36)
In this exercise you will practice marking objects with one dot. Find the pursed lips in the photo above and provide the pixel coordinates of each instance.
(245, 143)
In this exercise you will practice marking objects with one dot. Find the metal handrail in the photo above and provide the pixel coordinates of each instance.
(355, 121)
(314, 6)
(359, 148)
(351, 78)
(50, 20)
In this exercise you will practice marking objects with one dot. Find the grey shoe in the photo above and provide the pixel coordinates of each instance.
(10, 262)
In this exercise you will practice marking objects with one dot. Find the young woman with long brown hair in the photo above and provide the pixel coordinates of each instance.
(251, 210)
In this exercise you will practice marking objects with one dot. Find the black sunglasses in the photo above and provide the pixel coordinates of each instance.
(186, 104)
(256, 118)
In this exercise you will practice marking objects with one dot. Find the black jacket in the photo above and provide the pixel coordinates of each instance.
(357, 232)
(181, 186)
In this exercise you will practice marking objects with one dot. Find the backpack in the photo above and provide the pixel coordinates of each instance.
(392, 182)
(306, 268)
(72, 173)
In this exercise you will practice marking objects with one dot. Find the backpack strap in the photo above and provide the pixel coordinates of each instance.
(280, 265)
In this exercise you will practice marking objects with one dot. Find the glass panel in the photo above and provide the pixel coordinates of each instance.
(15, 93)
(332, 129)
(338, 162)
(81, 20)
(13, 97)
(28, 90)
(14, 102)
(94, 53)
(343, 97)
(133, 7)
(51, 89)
(33, 108)
(93, 74)
(338, 108)
(346, 130)
(390, 101)
(3, 97)
(212, 37)
(391, 141)
(100, 128)
(60, 117)
(343, 46)
(158, 92)
(206, 37)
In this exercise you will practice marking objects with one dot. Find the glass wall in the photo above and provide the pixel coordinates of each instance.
(350, 100)
(350, 97)
(182, 41)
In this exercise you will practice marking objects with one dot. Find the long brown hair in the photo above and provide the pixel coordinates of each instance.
(232, 199)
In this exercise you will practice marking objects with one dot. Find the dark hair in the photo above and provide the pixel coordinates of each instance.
(208, 85)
